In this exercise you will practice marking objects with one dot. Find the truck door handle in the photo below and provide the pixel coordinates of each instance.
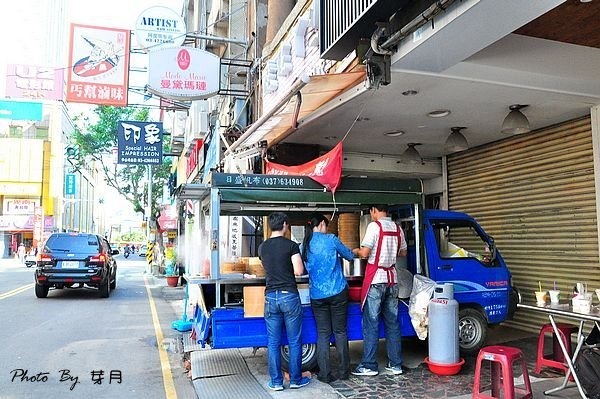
(445, 267)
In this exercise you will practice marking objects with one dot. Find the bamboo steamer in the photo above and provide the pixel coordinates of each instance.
(348, 229)
(255, 267)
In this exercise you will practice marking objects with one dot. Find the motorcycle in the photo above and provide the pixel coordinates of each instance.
(126, 253)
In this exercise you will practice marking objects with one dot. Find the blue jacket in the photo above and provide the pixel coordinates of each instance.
(325, 273)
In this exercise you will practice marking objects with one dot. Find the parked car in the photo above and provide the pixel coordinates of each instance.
(143, 250)
(30, 260)
(114, 245)
(74, 260)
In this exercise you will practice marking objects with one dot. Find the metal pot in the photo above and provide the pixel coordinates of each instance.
(356, 268)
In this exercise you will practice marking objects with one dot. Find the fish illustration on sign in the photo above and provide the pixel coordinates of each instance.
(103, 57)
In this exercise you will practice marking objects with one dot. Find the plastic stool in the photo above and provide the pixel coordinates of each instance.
(557, 360)
(502, 359)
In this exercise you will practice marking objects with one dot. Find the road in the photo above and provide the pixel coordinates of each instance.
(76, 344)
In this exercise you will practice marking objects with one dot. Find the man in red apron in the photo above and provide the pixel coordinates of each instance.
(383, 241)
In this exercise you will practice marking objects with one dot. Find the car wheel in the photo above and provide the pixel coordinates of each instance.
(105, 288)
(113, 284)
(472, 330)
(41, 291)
(309, 357)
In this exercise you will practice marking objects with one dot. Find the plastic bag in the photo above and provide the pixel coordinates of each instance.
(420, 296)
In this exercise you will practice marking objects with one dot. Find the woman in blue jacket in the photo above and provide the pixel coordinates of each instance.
(328, 293)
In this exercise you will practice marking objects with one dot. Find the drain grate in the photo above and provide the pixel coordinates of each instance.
(189, 344)
(223, 373)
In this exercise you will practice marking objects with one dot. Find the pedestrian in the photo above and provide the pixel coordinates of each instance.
(328, 294)
(382, 242)
(21, 253)
(281, 260)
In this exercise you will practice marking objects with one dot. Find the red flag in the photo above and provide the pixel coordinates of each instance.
(325, 170)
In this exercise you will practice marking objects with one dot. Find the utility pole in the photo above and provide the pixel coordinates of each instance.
(149, 201)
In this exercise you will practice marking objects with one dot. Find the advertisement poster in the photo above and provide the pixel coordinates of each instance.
(98, 65)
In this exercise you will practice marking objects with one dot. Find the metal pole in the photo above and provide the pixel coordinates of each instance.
(149, 201)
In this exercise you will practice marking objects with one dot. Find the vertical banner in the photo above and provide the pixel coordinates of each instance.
(98, 70)
(70, 184)
(38, 225)
(139, 143)
(235, 236)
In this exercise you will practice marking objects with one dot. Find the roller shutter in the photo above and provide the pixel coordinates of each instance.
(535, 195)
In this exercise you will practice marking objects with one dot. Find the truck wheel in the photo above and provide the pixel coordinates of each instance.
(309, 357)
(41, 291)
(472, 330)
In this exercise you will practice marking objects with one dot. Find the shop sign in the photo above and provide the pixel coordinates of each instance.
(183, 73)
(14, 206)
(34, 82)
(196, 158)
(70, 184)
(20, 110)
(139, 143)
(158, 27)
(99, 65)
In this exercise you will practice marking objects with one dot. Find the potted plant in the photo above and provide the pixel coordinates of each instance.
(171, 274)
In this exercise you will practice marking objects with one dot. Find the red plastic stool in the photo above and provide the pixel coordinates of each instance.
(557, 359)
(501, 359)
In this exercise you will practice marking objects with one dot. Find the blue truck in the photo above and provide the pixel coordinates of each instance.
(445, 246)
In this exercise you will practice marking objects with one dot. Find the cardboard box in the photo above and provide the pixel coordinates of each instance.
(254, 301)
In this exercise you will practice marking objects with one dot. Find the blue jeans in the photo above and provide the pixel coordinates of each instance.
(381, 300)
(284, 308)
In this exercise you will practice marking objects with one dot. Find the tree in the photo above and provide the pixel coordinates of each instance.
(94, 139)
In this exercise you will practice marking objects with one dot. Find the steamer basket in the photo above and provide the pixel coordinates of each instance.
(348, 229)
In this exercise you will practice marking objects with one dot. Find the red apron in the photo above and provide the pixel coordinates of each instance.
(371, 268)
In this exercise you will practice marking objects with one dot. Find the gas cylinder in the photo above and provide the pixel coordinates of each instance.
(443, 326)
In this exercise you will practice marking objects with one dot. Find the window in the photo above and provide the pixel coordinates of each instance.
(81, 243)
(460, 239)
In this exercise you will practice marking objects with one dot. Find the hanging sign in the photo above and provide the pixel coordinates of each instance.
(139, 142)
(158, 27)
(183, 73)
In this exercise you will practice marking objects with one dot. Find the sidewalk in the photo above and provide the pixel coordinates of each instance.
(244, 373)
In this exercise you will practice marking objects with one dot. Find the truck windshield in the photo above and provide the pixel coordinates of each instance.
(460, 239)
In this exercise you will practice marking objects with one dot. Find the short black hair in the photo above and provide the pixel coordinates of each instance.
(380, 207)
(276, 221)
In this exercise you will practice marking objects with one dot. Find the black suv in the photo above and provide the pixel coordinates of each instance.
(73, 260)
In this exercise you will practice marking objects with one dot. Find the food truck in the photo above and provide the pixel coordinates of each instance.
(445, 246)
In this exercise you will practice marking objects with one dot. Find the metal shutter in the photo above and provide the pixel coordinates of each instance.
(535, 195)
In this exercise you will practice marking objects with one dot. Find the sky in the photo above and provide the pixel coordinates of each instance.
(24, 25)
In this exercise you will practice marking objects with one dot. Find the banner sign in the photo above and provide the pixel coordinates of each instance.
(23, 222)
(20, 110)
(139, 143)
(183, 73)
(326, 170)
(34, 82)
(99, 65)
